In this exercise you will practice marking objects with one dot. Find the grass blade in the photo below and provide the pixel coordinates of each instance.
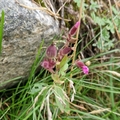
(1, 29)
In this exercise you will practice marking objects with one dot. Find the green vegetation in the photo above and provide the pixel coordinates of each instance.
(1, 29)
(74, 95)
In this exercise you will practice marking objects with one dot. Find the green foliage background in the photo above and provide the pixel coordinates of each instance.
(95, 96)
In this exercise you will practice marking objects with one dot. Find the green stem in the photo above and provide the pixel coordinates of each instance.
(75, 45)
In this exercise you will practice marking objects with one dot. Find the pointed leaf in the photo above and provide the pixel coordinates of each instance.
(1, 29)
(61, 99)
(37, 87)
(64, 61)
(63, 69)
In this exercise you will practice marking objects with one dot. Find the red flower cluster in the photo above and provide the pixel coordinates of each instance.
(52, 56)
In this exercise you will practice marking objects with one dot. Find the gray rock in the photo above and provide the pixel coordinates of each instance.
(23, 32)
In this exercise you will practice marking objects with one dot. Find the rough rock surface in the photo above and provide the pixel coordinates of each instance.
(23, 32)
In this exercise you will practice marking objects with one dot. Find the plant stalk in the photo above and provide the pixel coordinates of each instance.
(75, 45)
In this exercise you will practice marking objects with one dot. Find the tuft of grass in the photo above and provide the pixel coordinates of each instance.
(96, 96)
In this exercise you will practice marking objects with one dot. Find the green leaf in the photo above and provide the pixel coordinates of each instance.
(84, 6)
(117, 23)
(63, 69)
(100, 21)
(110, 25)
(115, 11)
(94, 6)
(37, 87)
(64, 61)
(1, 29)
(78, 2)
(104, 43)
(105, 34)
(63, 66)
(61, 99)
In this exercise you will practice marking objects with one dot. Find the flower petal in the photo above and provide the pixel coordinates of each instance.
(48, 65)
(85, 70)
(45, 64)
(51, 64)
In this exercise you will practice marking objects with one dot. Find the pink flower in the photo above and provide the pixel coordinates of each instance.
(51, 51)
(81, 65)
(45, 64)
(48, 65)
(85, 69)
(74, 29)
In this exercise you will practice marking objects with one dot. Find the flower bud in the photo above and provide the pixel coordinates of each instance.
(74, 29)
(65, 50)
(79, 64)
(51, 51)
(88, 63)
